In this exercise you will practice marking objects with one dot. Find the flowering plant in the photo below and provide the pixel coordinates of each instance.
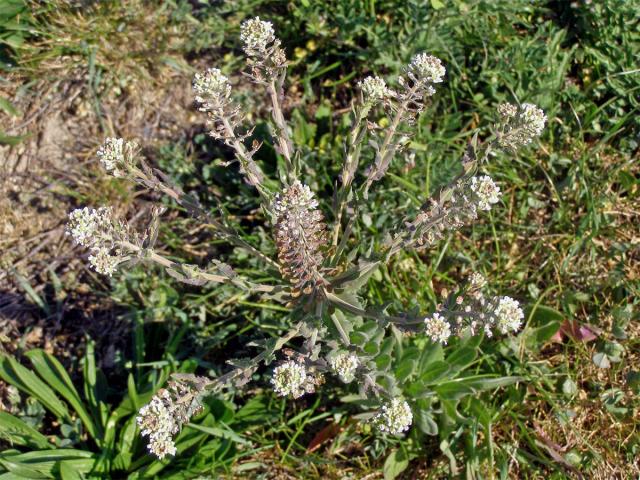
(320, 262)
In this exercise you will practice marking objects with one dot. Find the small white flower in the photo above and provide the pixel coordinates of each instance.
(290, 379)
(486, 190)
(116, 155)
(374, 89)
(345, 365)
(161, 446)
(427, 68)
(212, 89)
(256, 35)
(508, 315)
(394, 417)
(437, 328)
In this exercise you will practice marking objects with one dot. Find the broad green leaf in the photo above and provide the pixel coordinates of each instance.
(383, 361)
(434, 372)
(461, 358)
(405, 369)
(68, 471)
(425, 422)
(24, 379)
(457, 389)
(15, 431)
(396, 463)
(54, 374)
(601, 360)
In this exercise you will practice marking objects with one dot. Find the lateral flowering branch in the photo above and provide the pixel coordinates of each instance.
(321, 264)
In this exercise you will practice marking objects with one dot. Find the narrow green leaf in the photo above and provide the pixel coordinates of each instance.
(24, 379)
(50, 369)
(15, 431)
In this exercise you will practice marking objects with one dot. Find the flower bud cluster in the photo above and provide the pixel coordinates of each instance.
(117, 156)
(374, 90)
(164, 416)
(300, 233)
(292, 379)
(520, 126)
(97, 230)
(344, 365)
(394, 417)
(212, 90)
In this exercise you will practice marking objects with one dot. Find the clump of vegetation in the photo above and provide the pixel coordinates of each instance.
(322, 266)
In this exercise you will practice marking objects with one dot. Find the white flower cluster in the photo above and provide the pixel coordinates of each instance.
(533, 118)
(507, 110)
(291, 379)
(394, 417)
(256, 35)
(521, 125)
(345, 365)
(117, 155)
(508, 315)
(297, 196)
(487, 192)
(374, 89)
(97, 230)
(164, 416)
(156, 421)
(212, 89)
(437, 328)
(427, 68)
(477, 281)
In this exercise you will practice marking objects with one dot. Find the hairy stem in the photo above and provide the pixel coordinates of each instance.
(281, 135)
(167, 263)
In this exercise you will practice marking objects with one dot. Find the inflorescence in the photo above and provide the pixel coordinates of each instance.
(300, 234)
(97, 230)
(165, 414)
(394, 417)
(345, 365)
